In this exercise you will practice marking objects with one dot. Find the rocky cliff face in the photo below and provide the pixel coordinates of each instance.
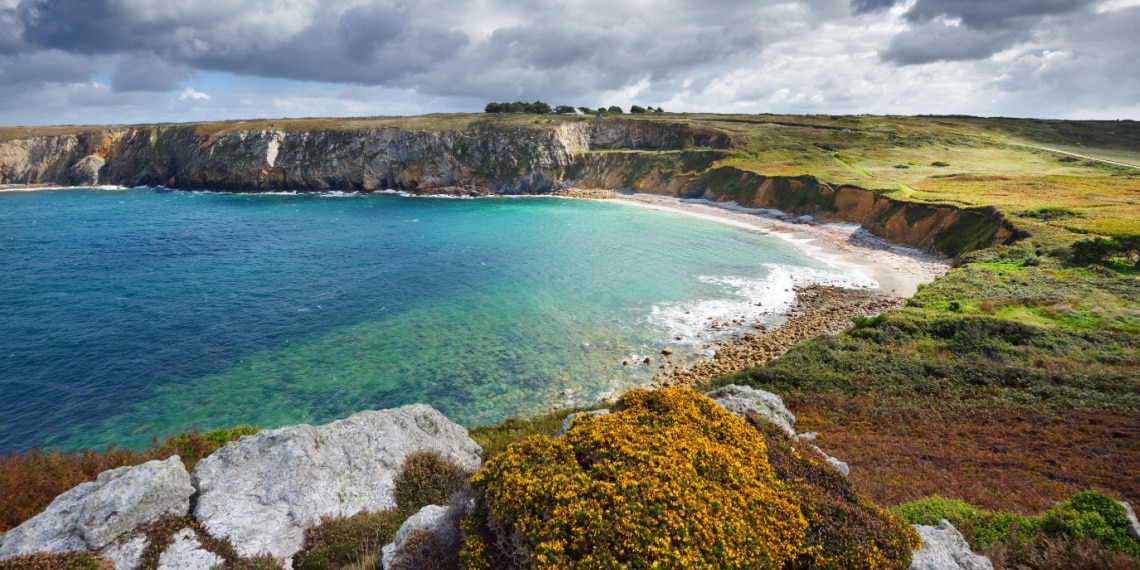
(480, 159)
(485, 158)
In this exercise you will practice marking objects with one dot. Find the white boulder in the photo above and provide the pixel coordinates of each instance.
(1133, 525)
(262, 491)
(126, 553)
(839, 466)
(95, 515)
(943, 548)
(186, 553)
(741, 399)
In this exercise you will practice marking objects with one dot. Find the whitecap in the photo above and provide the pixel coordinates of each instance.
(745, 304)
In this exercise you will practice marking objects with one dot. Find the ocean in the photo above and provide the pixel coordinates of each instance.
(127, 314)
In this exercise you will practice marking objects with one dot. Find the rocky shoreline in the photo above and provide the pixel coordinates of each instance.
(818, 310)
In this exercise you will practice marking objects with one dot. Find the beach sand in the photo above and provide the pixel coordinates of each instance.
(818, 309)
(847, 247)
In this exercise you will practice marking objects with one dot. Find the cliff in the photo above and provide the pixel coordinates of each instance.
(484, 157)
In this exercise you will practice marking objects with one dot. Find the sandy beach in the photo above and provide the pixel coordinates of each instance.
(897, 270)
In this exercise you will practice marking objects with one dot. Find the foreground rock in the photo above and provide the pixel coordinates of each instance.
(263, 490)
(1133, 524)
(186, 553)
(943, 548)
(93, 516)
(742, 399)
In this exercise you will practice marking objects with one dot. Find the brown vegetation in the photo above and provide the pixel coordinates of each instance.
(999, 456)
(32, 479)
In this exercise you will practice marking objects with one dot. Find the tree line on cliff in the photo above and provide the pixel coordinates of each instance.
(542, 108)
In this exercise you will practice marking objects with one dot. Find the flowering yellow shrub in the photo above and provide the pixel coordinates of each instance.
(668, 480)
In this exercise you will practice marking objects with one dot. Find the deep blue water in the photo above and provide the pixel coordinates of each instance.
(128, 314)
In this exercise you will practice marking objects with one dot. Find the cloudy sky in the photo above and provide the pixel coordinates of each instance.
(129, 61)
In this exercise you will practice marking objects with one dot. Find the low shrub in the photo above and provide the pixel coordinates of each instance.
(1088, 515)
(338, 542)
(667, 479)
(425, 549)
(427, 479)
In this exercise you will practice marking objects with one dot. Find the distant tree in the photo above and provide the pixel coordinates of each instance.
(587, 110)
(493, 108)
(565, 110)
(637, 109)
(614, 109)
(659, 110)
(539, 108)
(1091, 250)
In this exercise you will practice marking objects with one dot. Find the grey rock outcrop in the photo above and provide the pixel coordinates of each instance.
(839, 466)
(95, 515)
(741, 399)
(443, 521)
(1133, 524)
(186, 553)
(262, 491)
(126, 553)
(943, 548)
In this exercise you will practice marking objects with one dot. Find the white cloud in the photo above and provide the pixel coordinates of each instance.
(191, 94)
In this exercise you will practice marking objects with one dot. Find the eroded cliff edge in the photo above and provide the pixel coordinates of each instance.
(486, 157)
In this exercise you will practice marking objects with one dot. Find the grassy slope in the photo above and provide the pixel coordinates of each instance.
(1011, 382)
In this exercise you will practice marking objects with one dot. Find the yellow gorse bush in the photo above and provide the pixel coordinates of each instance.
(668, 480)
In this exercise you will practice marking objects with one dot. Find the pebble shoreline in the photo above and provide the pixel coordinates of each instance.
(818, 310)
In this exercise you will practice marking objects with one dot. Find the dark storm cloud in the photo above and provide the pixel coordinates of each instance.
(937, 41)
(147, 72)
(381, 43)
(955, 30)
(50, 66)
(871, 6)
(991, 14)
(85, 26)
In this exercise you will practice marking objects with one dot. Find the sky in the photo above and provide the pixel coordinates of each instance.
(144, 61)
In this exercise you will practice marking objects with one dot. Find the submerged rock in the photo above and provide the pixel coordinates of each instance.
(262, 491)
(96, 514)
(943, 548)
(741, 399)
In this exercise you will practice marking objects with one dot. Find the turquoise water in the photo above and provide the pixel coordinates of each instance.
(126, 314)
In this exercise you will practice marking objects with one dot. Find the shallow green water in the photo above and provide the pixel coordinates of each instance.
(127, 314)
